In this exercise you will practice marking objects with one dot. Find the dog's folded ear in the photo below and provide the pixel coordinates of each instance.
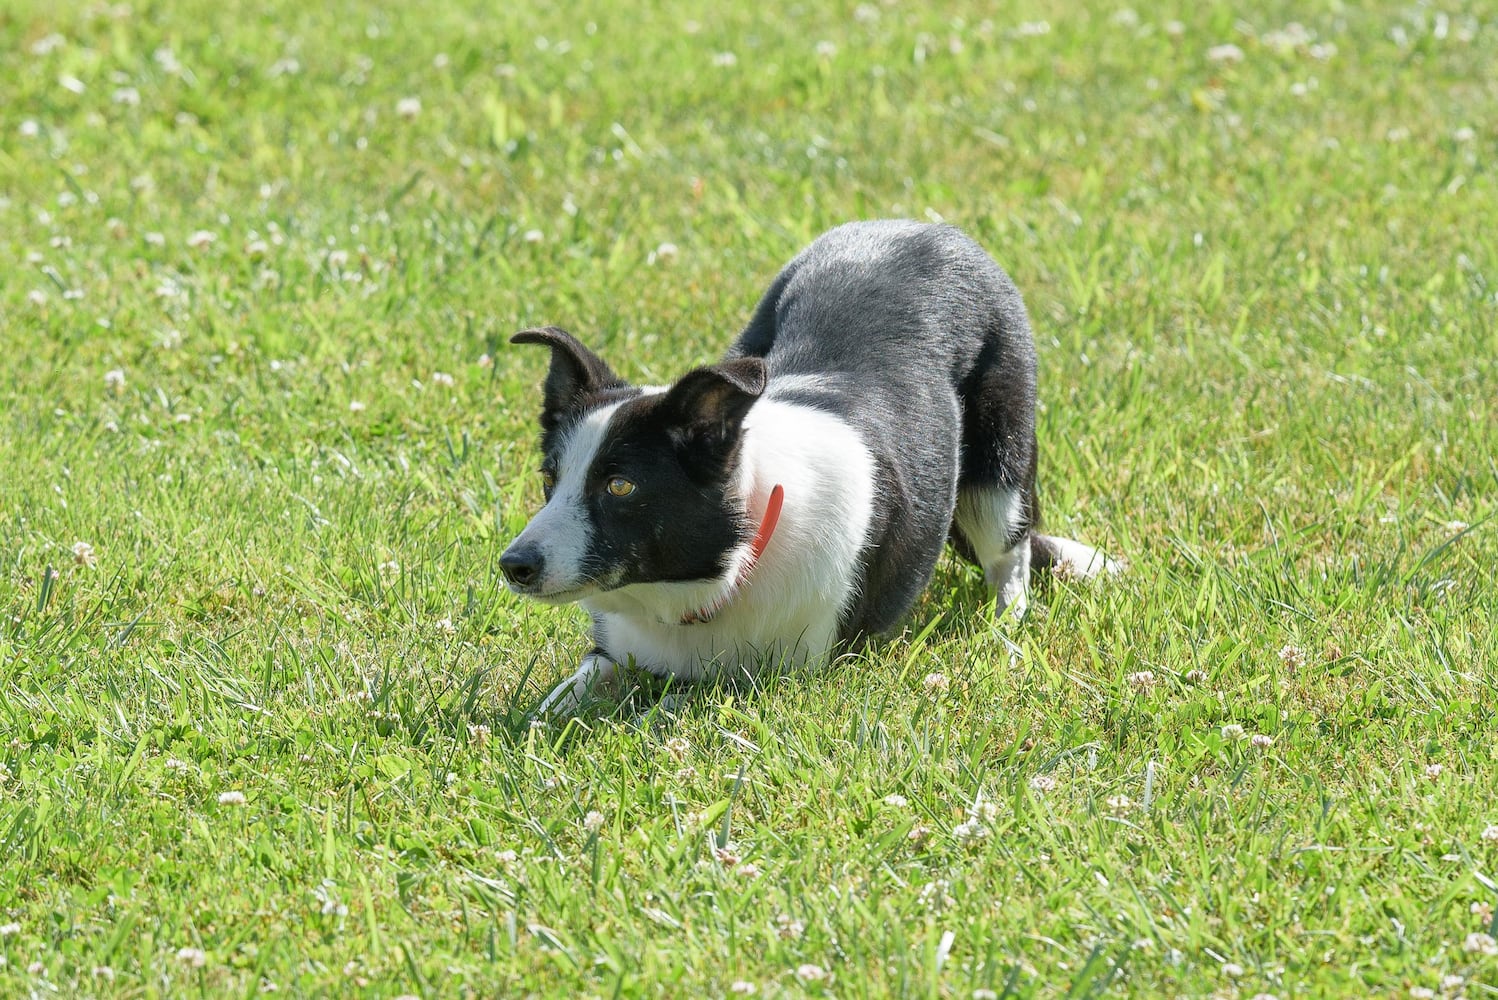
(576, 373)
(706, 408)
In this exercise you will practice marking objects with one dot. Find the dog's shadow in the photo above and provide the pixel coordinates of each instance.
(636, 698)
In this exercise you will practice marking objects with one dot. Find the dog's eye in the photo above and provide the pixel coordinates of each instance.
(620, 487)
(548, 481)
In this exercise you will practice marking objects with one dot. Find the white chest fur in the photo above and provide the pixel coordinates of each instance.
(786, 612)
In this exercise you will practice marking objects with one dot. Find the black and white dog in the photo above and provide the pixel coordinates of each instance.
(796, 496)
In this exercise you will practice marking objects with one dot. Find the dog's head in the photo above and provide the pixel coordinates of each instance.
(641, 484)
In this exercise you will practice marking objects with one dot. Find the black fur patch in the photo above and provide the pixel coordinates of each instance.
(680, 449)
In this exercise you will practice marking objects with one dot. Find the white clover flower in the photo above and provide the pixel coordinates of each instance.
(446, 626)
(355, 406)
(83, 554)
(231, 798)
(788, 927)
(665, 252)
(1433, 771)
(678, 747)
(47, 44)
(1490, 833)
(826, 50)
(1196, 676)
(970, 830)
(1262, 741)
(128, 96)
(937, 682)
(36, 297)
(895, 800)
(534, 236)
(810, 973)
(1464, 134)
(114, 380)
(1292, 657)
(743, 987)
(983, 808)
(593, 822)
(338, 259)
(408, 107)
(195, 957)
(1232, 970)
(1482, 944)
(1043, 783)
(1232, 731)
(1227, 53)
(443, 379)
(725, 59)
(9, 930)
(1141, 680)
(1119, 803)
(199, 240)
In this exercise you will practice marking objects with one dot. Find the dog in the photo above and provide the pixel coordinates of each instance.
(793, 499)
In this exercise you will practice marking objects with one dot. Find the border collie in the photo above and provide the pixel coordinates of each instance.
(769, 509)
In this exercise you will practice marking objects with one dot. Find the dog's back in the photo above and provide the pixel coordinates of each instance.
(910, 333)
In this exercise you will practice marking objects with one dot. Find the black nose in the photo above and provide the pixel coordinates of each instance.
(521, 565)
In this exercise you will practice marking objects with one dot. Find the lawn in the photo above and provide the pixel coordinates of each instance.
(262, 440)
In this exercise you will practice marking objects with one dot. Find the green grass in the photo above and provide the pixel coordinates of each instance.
(1264, 293)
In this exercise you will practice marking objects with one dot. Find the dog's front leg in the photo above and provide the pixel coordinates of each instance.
(567, 697)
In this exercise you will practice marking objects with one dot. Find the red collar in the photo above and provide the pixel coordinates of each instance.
(756, 549)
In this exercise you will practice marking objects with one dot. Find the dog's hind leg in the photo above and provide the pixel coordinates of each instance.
(993, 525)
(996, 503)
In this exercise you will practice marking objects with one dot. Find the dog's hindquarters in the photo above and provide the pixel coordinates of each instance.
(996, 502)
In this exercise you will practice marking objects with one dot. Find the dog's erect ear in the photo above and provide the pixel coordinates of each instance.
(575, 373)
(706, 408)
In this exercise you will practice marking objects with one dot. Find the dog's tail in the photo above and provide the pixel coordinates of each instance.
(1069, 559)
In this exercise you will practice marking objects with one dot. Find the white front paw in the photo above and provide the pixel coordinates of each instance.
(567, 697)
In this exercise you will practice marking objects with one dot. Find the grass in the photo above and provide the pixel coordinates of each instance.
(267, 731)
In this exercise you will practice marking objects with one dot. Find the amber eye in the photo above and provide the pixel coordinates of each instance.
(548, 481)
(620, 487)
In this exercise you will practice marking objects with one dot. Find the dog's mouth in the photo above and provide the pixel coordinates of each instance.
(564, 595)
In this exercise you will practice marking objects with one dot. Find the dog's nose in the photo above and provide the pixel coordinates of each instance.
(521, 565)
